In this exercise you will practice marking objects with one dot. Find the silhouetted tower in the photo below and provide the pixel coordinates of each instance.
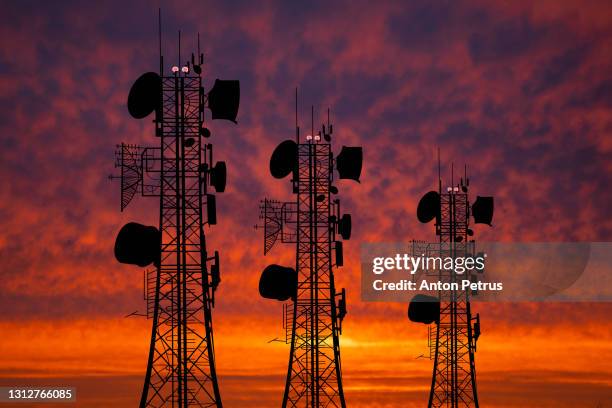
(313, 318)
(180, 291)
(453, 341)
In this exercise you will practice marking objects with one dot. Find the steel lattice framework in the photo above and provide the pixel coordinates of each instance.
(181, 367)
(180, 290)
(314, 377)
(454, 373)
(313, 319)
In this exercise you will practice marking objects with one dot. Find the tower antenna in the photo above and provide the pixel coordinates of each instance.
(314, 308)
(179, 171)
(452, 341)
(159, 35)
(179, 50)
(439, 173)
(297, 127)
(312, 121)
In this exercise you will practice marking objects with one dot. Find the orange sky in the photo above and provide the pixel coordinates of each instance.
(549, 365)
(519, 92)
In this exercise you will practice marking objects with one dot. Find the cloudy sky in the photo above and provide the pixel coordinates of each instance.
(521, 93)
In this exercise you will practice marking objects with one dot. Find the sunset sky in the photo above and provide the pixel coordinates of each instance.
(520, 92)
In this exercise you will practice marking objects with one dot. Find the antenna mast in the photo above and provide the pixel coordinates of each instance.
(453, 340)
(161, 58)
(314, 309)
(297, 127)
(180, 291)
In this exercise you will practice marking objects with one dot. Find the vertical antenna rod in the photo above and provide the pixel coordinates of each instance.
(439, 173)
(159, 32)
(312, 121)
(297, 127)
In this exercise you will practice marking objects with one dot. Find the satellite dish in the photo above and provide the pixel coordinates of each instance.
(284, 159)
(218, 176)
(344, 226)
(349, 163)
(424, 309)
(429, 207)
(482, 210)
(138, 244)
(224, 99)
(145, 95)
(278, 282)
(339, 253)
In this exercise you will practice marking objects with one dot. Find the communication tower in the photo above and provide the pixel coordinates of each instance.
(453, 340)
(315, 308)
(180, 291)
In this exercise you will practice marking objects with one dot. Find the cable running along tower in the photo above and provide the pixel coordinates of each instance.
(315, 308)
(453, 340)
(180, 290)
